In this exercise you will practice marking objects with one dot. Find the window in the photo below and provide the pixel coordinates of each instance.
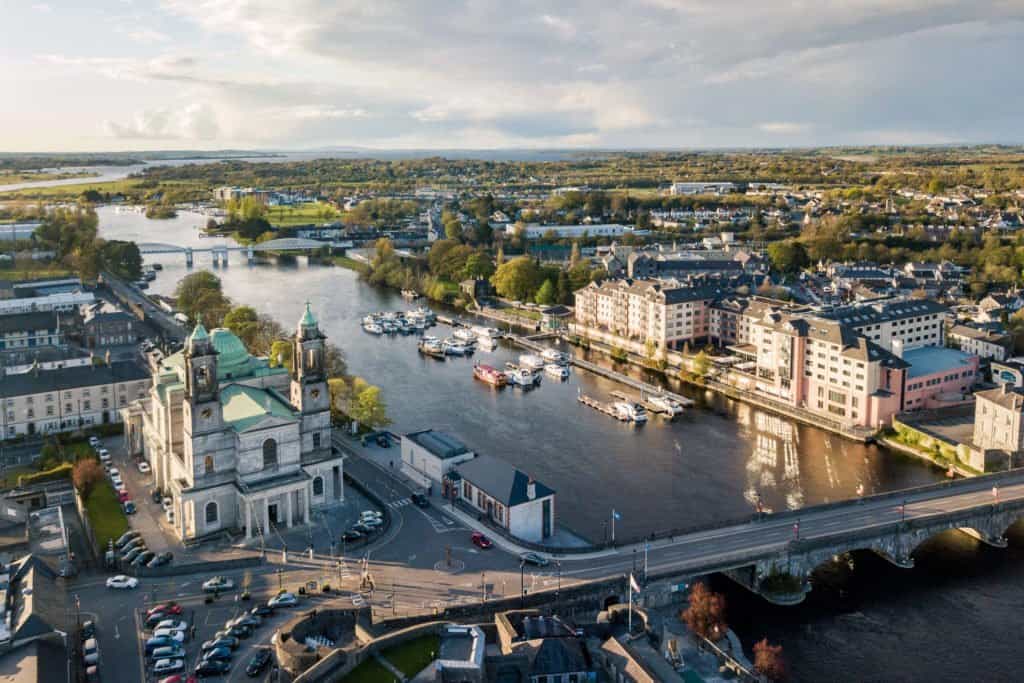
(208, 464)
(467, 491)
(318, 486)
(269, 454)
(316, 439)
(211, 512)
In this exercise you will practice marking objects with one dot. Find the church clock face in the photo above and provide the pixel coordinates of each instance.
(206, 413)
(315, 393)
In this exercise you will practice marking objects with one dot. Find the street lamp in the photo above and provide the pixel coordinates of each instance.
(522, 584)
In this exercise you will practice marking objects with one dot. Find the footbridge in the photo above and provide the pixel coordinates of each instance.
(775, 554)
(220, 251)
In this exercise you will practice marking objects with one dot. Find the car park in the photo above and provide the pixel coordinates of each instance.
(246, 620)
(420, 500)
(212, 667)
(168, 652)
(362, 528)
(534, 559)
(122, 581)
(481, 541)
(167, 666)
(229, 642)
(258, 663)
(143, 559)
(263, 610)
(161, 559)
(144, 467)
(283, 600)
(159, 641)
(242, 632)
(221, 653)
(125, 538)
(372, 523)
(217, 583)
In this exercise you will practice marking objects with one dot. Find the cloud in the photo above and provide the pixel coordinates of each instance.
(42, 7)
(783, 127)
(561, 27)
(195, 122)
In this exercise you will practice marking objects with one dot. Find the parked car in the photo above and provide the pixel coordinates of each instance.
(114, 472)
(132, 544)
(161, 559)
(173, 624)
(168, 652)
(144, 467)
(168, 666)
(130, 556)
(283, 600)
(129, 507)
(116, 480)
(125, 538)
(123, 496)
(351, 535)
(229, 642)
(246, 620)
(364, 529)
(372, 523)
(103, 453)
(122, 581)
(481, 541)
(166, 503)
(221, 653)
(258, 663)
(94, 442)
(176, 636)
(157, 497)
(263, 610)
(218, 583)
(239, 631)
(159, 641)
(143, 558)
(169, 607)
(88, 629)
(534, 559)
(420, 500)
(370, 514)
(212, 667)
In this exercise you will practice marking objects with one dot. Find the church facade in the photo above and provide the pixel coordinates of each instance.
(235, 443)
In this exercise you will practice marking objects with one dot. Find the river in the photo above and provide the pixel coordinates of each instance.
(708, 466)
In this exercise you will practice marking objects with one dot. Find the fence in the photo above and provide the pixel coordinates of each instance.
(211, 567)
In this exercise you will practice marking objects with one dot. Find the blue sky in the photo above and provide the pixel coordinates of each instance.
(207, 74)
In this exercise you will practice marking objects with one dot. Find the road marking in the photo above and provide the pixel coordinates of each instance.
(117, 634)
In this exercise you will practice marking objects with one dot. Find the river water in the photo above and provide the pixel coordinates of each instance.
(870, 623)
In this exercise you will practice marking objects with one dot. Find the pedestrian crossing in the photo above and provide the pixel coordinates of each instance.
(400, 503)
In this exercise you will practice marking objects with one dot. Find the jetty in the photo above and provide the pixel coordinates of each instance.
(600, 406)
(651, 407)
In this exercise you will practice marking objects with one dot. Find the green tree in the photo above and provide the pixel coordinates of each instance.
(122, 259)
(701, 364)
(563, 290)
(478, 265)
(788, 256)
(546, 294)
(200, 297)
(366, 406)
(281, 354)
(243, 321)
(517, 279)
(499, 258)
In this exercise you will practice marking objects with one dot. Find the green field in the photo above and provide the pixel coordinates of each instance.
(41, 274)
(370, 671)
(18, 178)
(302, 214)
(412, 657)
(105, 514)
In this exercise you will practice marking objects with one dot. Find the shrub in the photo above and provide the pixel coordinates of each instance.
(769, 662)
(61, 471)
(85, 474)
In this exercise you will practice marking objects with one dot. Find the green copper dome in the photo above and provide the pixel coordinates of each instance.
(307, 318)
(199, 333)
(231, 353)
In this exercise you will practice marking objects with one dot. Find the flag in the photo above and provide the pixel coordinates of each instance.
(616, 516)
(633, 585)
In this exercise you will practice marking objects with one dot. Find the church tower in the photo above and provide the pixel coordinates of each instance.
(310, 395)
(202, 397)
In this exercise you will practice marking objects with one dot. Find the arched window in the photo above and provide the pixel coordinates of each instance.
(208, 464)
(269, 454)
(211, 512)
(318, 486)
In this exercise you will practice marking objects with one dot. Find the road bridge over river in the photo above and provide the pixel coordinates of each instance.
(220, 251)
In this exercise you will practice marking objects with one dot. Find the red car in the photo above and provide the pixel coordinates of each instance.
(481, 541)
(167, 608)
(178, 678)
(123, 496)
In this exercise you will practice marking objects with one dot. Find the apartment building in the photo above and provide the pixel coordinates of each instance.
(897, 326)
(984, 343)
(998, 423)
(30, 330)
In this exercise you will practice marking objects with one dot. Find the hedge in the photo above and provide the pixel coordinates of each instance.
(61, 471)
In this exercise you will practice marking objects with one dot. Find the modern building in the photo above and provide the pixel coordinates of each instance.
(938, 377)
(641, 265)
(897, 326)
(235, 443)
(430, 455)
(707, 187)
(532, 232)
(66, 399)
(998, 421)
(510, 498)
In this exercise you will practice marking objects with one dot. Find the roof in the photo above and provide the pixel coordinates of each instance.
(247, 408)
(439, 444)
(870, 314)
(560, 656)
(990, 336)
(198, 333)
(42, 381)
(934, 359)
(21, 322)
(307, 318)
(628, 667)
(1004, 395)
(500, 480)
(41, 661)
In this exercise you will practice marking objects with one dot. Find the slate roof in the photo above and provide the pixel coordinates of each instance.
(439, 444)
(22, 322)
(43, 381)
(560, 656)
(500, 480)
(884, 312)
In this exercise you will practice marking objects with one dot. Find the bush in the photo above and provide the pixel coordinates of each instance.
(769, 662)
(61, 471)
(706, 614)
(86, 473)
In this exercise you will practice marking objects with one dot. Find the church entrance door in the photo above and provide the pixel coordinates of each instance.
(272, 513)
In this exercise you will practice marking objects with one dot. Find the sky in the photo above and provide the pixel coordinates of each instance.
(112, 75)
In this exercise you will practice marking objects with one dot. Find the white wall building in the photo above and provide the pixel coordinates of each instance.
(532, 232)
(509, 497)
(429, 455)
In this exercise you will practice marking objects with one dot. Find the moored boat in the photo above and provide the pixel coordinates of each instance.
(372, 328)
(491, 375)
(665, 405)
(523, 377)
(464, 334)
(629, 411)
(431, 347)
(556, 370)
(554, 356)
(453, 347)
(486, 343)
(532, 362)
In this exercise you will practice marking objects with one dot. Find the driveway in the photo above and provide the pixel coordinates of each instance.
(148, 519)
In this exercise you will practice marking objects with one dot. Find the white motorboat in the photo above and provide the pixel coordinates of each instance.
(427, 314)
(665, 405)
(629, 411)
(370, 320)
(486, 343)
(453, 347)
(556, 370)
(430, 346)
(464, 334)
(373, 328)
(523, 377)
(531, 362)
(554, 356)
(481, 331)
(389, 326)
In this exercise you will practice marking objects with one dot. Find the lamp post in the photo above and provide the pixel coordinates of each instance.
(522, 584)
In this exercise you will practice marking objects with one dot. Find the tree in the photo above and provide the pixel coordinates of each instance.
(701, 364)
(200, 297)
(517, 279)
(788, 256)
(453, 229)
(499, 257)
(563, 289)
(478, 265)
(243, 321)
(281, 354)
(122, 259)
(769, 662)
(574, 255)
(367, 407)
(706, 614)
(85, 474)
(546, 294)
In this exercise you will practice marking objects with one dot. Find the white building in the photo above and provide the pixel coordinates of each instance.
(997, 419)
(429, 455)
(983, 343)
(719, 187)
(532, 232)
(235, 443)
(510, 498)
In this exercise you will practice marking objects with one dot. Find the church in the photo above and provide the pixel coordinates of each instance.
(235, 443)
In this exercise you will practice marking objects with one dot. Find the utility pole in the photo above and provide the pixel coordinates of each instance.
(647, 547)
(483, 587)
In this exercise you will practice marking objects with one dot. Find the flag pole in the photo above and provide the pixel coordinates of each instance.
(629, 628)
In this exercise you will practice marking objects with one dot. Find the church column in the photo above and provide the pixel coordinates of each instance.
(288, 508)
(266, 516)
(247, 514)
(308, 517)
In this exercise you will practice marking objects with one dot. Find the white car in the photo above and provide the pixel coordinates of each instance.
(103, 453)
(168, 666)
(283, 600)
(117, 481)
(218, 583)
(172, 625)
(166, 502)
(122, 581)
(370, 514)
(176, 636)
(144, 467)
(94, 442)
(114, 472)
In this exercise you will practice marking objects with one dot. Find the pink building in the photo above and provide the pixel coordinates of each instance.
(938, 377)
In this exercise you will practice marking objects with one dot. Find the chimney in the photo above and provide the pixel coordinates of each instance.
(1002, 388)
(531, 487)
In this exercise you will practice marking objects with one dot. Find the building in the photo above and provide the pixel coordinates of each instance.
(237, 444)
(897, 326)
(105, 325)
(984, 343)
(510, 498)
(60, 301)
(461, 653)
(1010, 371)
(938, 377)
(541, 649)
(30, 330)
(34, 623)
(18, 361)
(533, 232)
(998, 423)
(641, 265)
(66, 399)
(430, 455)
(716, 187)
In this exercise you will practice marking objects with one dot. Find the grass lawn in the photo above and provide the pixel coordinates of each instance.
(106, 518)
(9, 478)
(410, 658)
(40, 274)
(370, 671)
(522, 313)
(302, 214)
(127, 186)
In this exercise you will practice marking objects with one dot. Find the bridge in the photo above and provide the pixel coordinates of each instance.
(220, 251)
(775, 554)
